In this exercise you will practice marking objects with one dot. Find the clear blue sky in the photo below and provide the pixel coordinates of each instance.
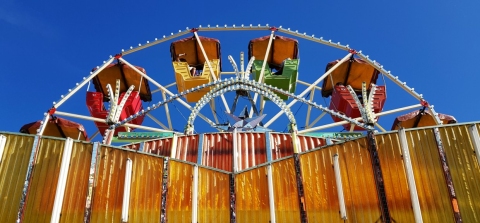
(48, 47)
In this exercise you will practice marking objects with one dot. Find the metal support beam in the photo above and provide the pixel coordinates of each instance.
(448, 177)
(173, 150)
(126, 190)
(417, 213)
(475, 137)
(201, 138)
(92, 180)
(338, 182)
(378, 176)
(301, 193)
(271, 197)
(195, 194)
(309, 110)
(163, 210)
(233, 214)
(62, 181)
(167, 111)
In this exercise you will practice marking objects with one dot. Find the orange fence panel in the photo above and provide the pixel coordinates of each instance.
(251, 189)
(213, 196)
(285, 191)
(179, 197)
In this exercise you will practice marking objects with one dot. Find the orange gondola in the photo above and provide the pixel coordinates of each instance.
(281, 49)
(420, 118)
(353, 72)
(189, 50)
(58, 127)
(127, 77)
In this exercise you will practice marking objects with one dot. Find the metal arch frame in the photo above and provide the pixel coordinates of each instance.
(228, 86)
(241, 28)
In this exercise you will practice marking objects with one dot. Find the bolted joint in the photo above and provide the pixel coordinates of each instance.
(193, 30)
(273, 28)
(352, 51)
(52, 111)
(118, 56)
(424, 103)
(188, 130)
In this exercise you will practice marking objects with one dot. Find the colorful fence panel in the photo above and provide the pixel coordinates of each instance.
(394, 176)
(285, 191)
(213, 196)
(179, 197)
(74, 200)
(251, 189)
(431, 186)
(13, 169)
(41, 193)
(464, 168)
(358, 183)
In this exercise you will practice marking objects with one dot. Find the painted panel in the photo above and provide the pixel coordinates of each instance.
(218, 151)
(75, 197)
(161, 147)
(308, 143)
(187, 148)
(179, 197)
(285, 191)
(13, 169)
(251, 149)
(251, 189)
(431, 186)
(146, 189)
(281, 145)
(464, 168)
(213, 196)
(109, 185)
(394, 177)
(358, 183)
(43, 185)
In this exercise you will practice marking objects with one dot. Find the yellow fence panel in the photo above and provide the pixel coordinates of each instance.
(464, 168)
(285, 191)
(43, 184)
(13, 170)
(73, 209)
(179, 196)
(251, 189)
(358, 183)
(213, 196)
(394, 177)
(109, 185)
(146, 189)
(429, 178)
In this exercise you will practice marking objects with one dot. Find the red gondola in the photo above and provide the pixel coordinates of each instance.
(58, 127)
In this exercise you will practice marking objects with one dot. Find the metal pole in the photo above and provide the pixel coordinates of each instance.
(167, 111)
(157, 121)
(211, 70)
(347, 57)
(173, 150)
(262, 72)
(195, 194)
(62, 180)
(126, 190)
(235, 150)
(417, 213)
(3, 142)
(164, 89)
(447, 176)
(475, 140)
(271, 198)
(358, 119)
(91, 181)
(307, 120)
(26, 185)
(338, 182)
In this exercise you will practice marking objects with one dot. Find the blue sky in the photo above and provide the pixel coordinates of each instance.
(49, 46)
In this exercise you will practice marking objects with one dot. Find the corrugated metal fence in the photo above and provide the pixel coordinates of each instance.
(190, 178)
